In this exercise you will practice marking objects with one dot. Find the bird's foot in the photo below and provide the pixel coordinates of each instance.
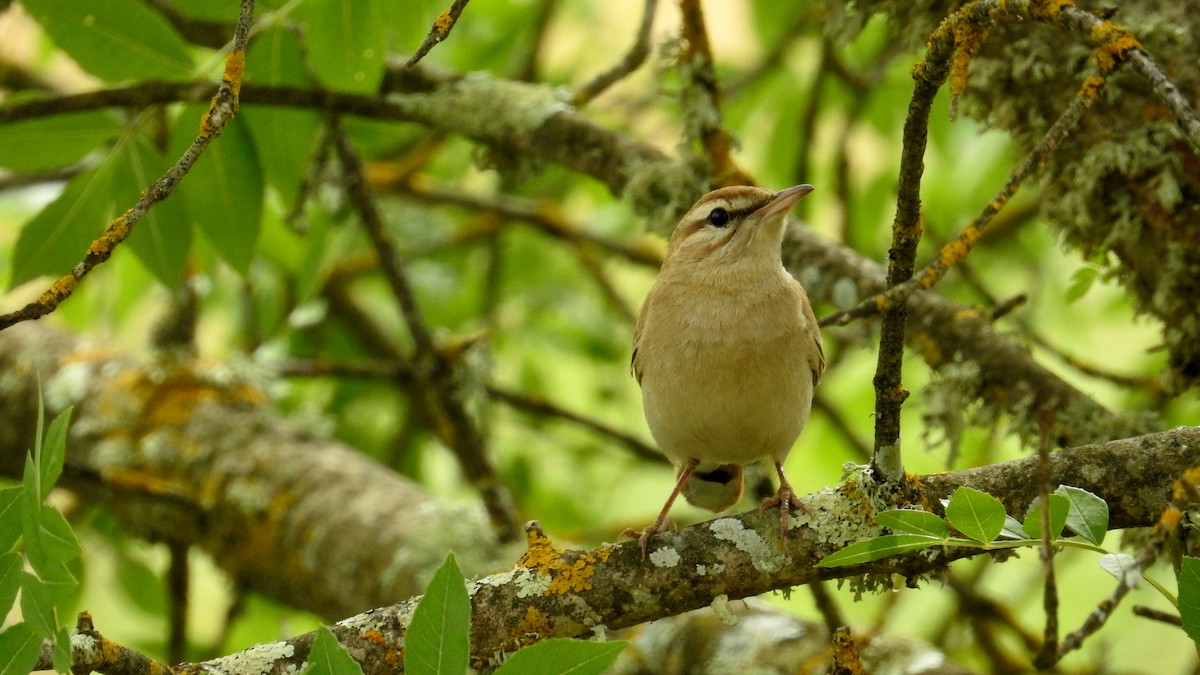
(643, 536)
(787, 501)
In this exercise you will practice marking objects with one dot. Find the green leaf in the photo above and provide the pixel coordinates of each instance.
(10, 517)
(59, 236)
(437, 638)
(54, 450)
(876, 549)
(163, 237)
(51, 142)
(329, 657)
(49, 541)
(1122, 566)
(1081, 283)
(1013, 529)
(19, 649)
(224, 192)
(911, 521)
(115, 40)
(62, 651)
(347, 42)
(37, 607)
(562, 657)
(284, 138)
(1089, 514)
(1189, 597)
(1060, 507)
(976, 514)
(10, 580)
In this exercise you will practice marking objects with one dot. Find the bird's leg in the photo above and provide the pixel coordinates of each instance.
(660, 523)
(786, 500)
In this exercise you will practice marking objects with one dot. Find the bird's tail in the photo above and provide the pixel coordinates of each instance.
(714, 490)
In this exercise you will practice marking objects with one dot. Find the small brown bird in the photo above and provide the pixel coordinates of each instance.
(727, 350)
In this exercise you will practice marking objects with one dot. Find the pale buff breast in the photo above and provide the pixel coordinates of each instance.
(738, 392)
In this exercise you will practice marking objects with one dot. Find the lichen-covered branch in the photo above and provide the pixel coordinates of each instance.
(188, 454)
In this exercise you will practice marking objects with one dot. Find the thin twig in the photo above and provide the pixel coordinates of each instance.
(223, 107)
(696, 66)
(632, 60)
(532, 405)
(177, 597)
(1157, 615)
(439, 31)
(957, 249)
(1046, 655)
(528, 72)
(433, 373)
(545, 216)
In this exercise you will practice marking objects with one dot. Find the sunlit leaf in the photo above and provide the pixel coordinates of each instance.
(437, 638)
(51, 142)
(562, 657)
(876, 549)
(329, 657)
(115, 40)
(976, 514)
(911, 521)
(1088, 516)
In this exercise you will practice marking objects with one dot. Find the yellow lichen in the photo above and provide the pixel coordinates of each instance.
(235, 65)
(928, 348)
(1049, 9)
(543, 558)
(1091, 87)
(443, 24)
(1112, 44)
(535, 622)
(58, 290)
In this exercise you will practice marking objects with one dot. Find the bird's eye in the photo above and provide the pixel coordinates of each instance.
(718, 217)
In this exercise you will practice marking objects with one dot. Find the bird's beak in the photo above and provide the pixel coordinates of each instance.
(784, 200)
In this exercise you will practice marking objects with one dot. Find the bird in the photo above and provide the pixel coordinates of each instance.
(727, 351)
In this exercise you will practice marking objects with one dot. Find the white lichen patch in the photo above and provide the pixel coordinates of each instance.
(69, 385)
(762, 556)
(86, 647)
(530, 583)
(470, 106)
(257, 660)
(844, 293)
(250, 495)
(716, 570)
(665, 557)
(720, 607)
(378, 619)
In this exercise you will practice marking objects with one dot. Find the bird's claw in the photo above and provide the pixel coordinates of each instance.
(786, 500)
(643, 536)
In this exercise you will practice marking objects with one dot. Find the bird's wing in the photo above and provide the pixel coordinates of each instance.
(638, 330)
(816, 357)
